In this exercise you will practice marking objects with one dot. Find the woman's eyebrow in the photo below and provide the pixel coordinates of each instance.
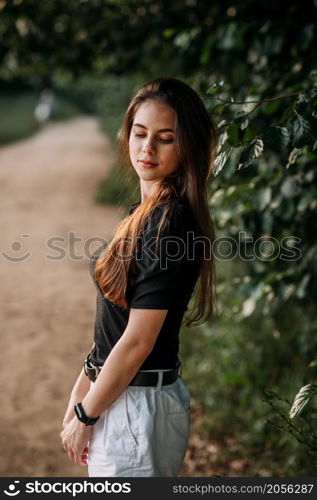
(161, 130)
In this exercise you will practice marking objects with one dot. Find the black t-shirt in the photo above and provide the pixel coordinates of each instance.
(162, 277)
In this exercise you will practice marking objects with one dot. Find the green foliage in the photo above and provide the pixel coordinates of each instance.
(37, 42)
(151, 38)
(16, 116)
(17, 119)
(275, 202)
(232, 367)
(63, 109)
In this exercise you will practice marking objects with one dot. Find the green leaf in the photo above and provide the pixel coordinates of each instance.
(221, 160)
(240, 131)
(212, 90)
(277, 138)
(215, 88)
(249, 134)
(250, 153)
(219, 109)
(288, 112)
(301, 130)
(302, 398)
(221, 140)
(234, 134)
(310, 155)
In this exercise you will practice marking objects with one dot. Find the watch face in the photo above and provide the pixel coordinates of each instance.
(79, 412)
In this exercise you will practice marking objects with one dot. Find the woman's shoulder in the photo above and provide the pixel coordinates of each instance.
(173, 207)
(177, 216)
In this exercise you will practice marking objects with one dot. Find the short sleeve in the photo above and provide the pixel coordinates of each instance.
(158, 262)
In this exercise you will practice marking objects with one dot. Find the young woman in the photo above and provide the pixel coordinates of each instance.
(128, 413)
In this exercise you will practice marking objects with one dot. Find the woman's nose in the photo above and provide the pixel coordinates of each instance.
(148, 146)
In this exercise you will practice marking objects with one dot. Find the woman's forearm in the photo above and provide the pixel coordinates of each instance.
(79, 391)
(81, 386)
(119, 369)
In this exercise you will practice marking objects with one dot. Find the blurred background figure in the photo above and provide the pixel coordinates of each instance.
(43, 109)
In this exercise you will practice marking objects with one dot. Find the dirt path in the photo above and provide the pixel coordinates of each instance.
(47, 306)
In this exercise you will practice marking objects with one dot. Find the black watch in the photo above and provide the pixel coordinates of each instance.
(81, 415)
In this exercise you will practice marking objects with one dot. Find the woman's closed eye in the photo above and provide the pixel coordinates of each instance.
(165, 141)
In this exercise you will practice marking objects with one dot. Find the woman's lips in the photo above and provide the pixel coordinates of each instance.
(147, 164)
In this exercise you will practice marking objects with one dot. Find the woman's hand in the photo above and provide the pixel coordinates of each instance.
(75, 438)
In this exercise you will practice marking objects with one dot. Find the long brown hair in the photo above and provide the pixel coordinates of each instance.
(195, 140)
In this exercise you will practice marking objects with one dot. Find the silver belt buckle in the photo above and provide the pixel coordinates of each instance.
(89, 366)
(97, 371)
(86, 366)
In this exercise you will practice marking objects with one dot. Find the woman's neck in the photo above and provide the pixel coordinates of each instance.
(148, 189)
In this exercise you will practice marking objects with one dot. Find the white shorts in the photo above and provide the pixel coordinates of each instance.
(144, 433)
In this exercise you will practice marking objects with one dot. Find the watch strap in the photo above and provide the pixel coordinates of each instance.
(82, 417)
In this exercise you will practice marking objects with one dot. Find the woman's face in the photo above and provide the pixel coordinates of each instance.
(152, 142)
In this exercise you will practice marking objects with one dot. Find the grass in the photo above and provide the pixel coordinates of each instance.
(17, 120)
(16, 116)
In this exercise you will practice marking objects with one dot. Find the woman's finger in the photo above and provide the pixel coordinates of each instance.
(71, 455)
(82, 459)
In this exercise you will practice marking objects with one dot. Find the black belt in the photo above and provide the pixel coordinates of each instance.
(142, 378)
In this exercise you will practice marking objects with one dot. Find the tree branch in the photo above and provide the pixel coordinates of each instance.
(269, 99)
